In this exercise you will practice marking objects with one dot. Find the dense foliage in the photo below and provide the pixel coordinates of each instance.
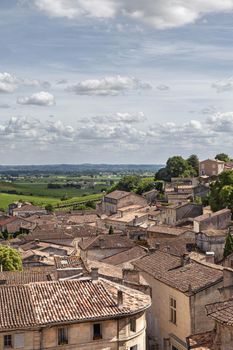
(179, 167)
(221, 192)
(223, 157)
(10, 259)
(134, 183)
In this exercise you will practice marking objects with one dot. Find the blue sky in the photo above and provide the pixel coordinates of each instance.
(115, 81)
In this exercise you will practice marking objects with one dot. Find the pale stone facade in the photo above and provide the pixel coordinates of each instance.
(211, 167)
(116, 335)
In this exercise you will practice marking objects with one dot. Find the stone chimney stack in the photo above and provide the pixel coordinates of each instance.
(131, 275)
(209, 257)
(119, 298)
(94, 274)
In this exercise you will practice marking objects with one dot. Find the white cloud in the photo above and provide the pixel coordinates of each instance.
(223, 85)
(42, 98)
(119, 117)
(95, 136)
(8, 82)
(111, 85)
(163, 87)
(160, 14)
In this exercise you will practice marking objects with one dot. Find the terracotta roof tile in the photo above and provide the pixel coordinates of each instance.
(168, 269)
(221, 312)
(44, 303)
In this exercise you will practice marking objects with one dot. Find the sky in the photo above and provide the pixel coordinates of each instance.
(115, 81)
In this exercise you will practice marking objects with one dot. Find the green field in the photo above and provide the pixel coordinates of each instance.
(6, 199)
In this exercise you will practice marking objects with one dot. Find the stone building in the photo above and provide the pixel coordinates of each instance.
(180, 290)
(104, 246)
(119, 199)
(86, 315)
(218, 220)
(175, 213)
(211, 167)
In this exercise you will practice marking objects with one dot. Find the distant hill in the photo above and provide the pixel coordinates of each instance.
(83, 169)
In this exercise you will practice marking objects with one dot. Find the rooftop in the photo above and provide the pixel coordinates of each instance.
(47, 303)
(126, 256)
(117, 194)
(168, 269)
(222, 312)
(106, 242)
(212, 215)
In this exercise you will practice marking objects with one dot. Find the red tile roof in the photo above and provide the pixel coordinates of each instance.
(44, 303)
(222, 312)
(168, 269)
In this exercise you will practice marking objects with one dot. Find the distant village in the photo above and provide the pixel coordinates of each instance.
(141, 271)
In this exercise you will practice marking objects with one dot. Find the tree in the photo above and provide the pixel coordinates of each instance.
(228, 248)
(193, 161)
(128, 183)
(223, 157)
(10, 259)
(145, 185)
(221, 192)
(111, 231)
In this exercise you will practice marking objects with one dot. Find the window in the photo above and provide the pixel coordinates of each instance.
(173, 310)
(97, 331)
(62, 336)
(7, 341)
(132, 323)
(135, 347)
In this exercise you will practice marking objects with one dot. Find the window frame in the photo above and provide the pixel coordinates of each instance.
(5, 337)
(64, 338)
(100, 336)
(173, 310)
(133, 324)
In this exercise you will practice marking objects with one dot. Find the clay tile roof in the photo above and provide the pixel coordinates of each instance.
(64, 262)
(43, 303)
(117, 194)
(106, 242)
(222, 312)
(167, 268)
(29, 207)
(201, 341)
(212, 215)
(126, 256)
(27, 276)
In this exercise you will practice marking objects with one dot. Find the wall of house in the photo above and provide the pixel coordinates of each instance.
(116, 335)
(200, 321)
(223, 338)
(211, 244)
(210, 167)
(158, 316)
(131, 199)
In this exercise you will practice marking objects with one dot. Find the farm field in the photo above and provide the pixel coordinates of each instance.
(6, 199)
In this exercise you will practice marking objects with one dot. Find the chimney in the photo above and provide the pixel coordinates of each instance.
(209, 257)
(130, 275)
(184, 259)
(119, 298)
(157, 246)
(94, 273)
(168, 248)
